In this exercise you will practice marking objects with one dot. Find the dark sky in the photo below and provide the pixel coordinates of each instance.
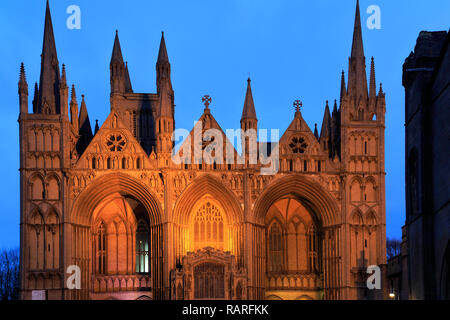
(292, 49)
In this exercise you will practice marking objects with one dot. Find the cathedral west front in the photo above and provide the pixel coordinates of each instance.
(142, 220)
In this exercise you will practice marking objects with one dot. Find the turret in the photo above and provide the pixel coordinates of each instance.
(249, 127)
(64, 93)
(74, 110)
(119, 76)
(325, 131)
(23, 90)
(165, 122)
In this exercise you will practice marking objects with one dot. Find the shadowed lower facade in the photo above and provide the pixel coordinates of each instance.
(140, 226)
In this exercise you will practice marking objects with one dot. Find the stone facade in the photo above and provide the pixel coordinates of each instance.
(427, 99)
(139, 225)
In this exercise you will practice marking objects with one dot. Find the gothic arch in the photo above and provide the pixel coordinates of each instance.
(309, 192)
(103, 187)
(356, 217)
(82, 215)
(207, 184)
(203, 187)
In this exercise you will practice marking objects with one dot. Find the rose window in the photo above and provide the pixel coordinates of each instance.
(298, 145)
(115, 142)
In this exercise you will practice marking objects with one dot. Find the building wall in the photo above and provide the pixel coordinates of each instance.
(425, 78)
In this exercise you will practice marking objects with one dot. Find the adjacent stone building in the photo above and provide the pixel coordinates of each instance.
(141, 226)
(426, 78)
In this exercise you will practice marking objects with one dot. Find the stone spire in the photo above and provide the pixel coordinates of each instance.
(96, 127)
(23, 85)
(63, 81)
(162, 56)
(64, 92)
(85, 131)
(357, 80)
(325, 131)
(35, 97)
(343, 87)
(23, 90)
(128, 87)
(316, 133)
(335, 132)
(163, 68)
(74, 110)
(117, 68)
(49, 79)
(372, 82)
(117, 50)
(249, 107)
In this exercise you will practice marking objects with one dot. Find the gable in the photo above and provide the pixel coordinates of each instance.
(201, 129)
(298, 139)
(114, 147)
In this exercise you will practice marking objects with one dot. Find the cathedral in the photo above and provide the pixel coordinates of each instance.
(114, 204)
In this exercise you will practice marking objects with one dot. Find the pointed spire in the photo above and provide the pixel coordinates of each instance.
(23, 85)
(96, 127)
(316, 133)
(83, 119)
(373, 85)
(23, 91)
(117, 51)
(335, 109)
(63, 76)
(35, 97)
(357, 45)
(128, 87)
(343, 87)
(326, 122)
(50, 77)
(248, 111)
(357, 80)
(85, 131)
(74, 109)
(73, 94)
(162, 56)
(381, 89)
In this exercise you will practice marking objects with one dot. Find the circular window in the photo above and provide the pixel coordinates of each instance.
(115, 142)
(298, 145)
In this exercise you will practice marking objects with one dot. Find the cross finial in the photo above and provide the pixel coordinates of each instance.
(206, 101)
(298, 105)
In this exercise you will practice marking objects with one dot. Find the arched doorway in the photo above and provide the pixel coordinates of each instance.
(116, 239)
(209, 243)
(310, 216)
(121, 246)
(294, 249)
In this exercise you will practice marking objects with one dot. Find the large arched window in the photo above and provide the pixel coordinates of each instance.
(275, 247)
(208, 227)
(142, 245)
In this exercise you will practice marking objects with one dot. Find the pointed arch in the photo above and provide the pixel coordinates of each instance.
(311, 194)
(197, 189)
(37, 187)
(104, 186)
(355, 189)
(52, 184)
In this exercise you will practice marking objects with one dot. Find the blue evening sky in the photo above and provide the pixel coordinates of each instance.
(291, 49)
